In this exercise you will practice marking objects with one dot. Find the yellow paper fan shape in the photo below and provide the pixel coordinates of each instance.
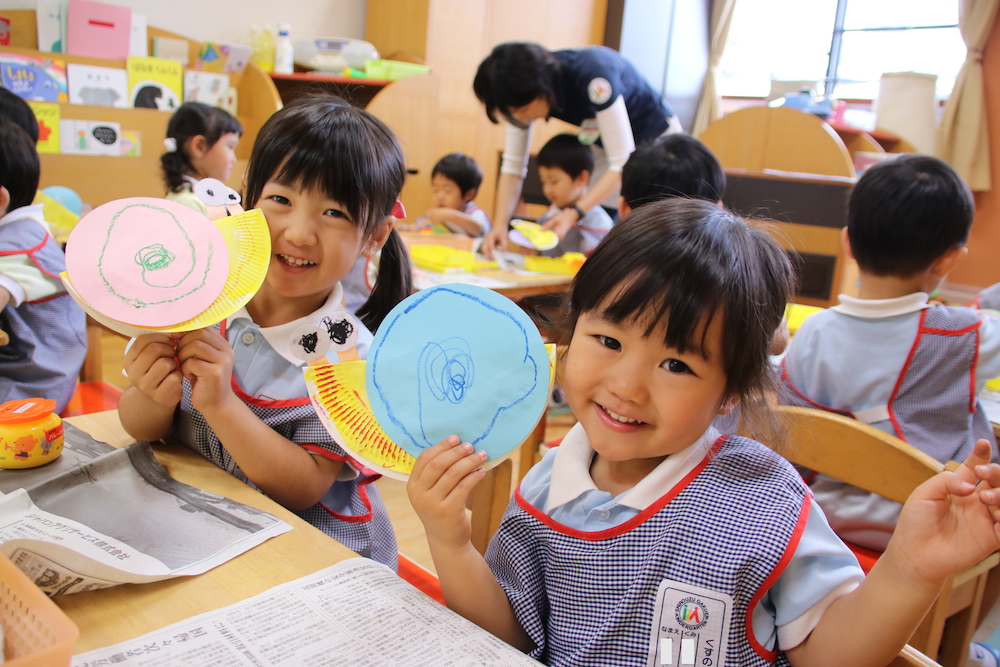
(249, 244)
(339, 395)
(338, 392)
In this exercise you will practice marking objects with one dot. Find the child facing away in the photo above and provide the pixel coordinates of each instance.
(455, 181)
(619, 541)
(326, 176)
(675, 165)
(564, 167)
(888, 357)
(44, 332)
(201, 143)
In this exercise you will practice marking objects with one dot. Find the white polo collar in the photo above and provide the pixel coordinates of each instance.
(35, 212)
(571, 471)
(279, 337)
(879, 308)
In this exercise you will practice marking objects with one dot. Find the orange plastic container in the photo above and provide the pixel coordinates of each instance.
(36, 632)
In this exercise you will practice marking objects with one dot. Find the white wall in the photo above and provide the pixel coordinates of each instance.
(230, 20)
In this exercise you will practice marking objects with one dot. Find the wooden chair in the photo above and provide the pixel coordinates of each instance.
(864, 456)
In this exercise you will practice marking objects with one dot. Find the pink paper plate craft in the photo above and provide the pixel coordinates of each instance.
(147, 262)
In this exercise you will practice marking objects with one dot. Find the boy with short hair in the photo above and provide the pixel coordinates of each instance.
(564, 167)
(676, 165)
(455, 181)
(47, 330)
(888, 357)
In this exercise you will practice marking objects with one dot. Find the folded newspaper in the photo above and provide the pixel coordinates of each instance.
(99, 516)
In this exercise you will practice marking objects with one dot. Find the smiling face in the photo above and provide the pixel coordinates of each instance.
(217, 162)
(637, 399)
(314, 243)
(559, 188)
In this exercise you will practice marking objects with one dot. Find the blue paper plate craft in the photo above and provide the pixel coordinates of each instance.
(458, 359)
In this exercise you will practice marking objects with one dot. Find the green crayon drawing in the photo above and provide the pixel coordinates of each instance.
(155, 257)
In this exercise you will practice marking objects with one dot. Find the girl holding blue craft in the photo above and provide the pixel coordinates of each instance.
(326, 176)
(649, 538)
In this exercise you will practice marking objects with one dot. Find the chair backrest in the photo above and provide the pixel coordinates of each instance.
(911, 657)
(856, 453)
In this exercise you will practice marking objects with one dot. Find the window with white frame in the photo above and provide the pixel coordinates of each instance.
(843, 45)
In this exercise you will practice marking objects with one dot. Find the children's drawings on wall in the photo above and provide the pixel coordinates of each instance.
(147, 262)
(458, 359)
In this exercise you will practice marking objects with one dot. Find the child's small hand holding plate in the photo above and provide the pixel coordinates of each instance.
(531, 235)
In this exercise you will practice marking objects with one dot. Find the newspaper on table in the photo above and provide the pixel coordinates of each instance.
(357, 612)
(99, 516)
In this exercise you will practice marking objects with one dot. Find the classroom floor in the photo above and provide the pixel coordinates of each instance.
(409, 531)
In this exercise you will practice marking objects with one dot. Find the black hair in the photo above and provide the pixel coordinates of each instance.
(514, 75)
(461, 169)
(564, 151)
(20, 112)
(320, 142)
(191, 120)
(19, 166)
(677, 165)
(680, 263)
(905, 213)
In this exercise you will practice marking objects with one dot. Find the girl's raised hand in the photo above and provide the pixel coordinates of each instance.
(206, 360)
(439, 488)
(151, 368)
(951, 521)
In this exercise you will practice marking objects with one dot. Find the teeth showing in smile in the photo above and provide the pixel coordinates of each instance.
(619, 418)
(295, 261)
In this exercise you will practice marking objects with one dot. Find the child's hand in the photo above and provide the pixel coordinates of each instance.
(951, 521)
(439, 487)
(562, 222)
(151, 369)
(206, 360)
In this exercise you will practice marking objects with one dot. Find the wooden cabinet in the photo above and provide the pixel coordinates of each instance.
(99, 179)
(453, 37)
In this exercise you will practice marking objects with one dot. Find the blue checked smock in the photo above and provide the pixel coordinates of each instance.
(907, 368)
(268, 378)
(582, 571)
(48, 335)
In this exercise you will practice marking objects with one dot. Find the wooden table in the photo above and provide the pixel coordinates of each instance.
(116, 614)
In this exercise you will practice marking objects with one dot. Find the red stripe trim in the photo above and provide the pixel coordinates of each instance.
(325, 453)
(791, 385)
(786, 558)
(899, 380)
(621, 529)
(266, 402)
(972, 375)
(50, 298)
(952, 332)
(29, 251)
(595, 230)
(356, 518)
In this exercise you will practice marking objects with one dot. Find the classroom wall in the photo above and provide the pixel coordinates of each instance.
(230, 21)
(980, 268)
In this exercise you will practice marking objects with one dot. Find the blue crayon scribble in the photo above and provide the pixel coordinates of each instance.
(446, 396)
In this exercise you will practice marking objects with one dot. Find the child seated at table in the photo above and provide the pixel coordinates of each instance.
(455, 181)
(647, 530)
(888, 357)
(675, 165)
(44, 332)
(564, 167)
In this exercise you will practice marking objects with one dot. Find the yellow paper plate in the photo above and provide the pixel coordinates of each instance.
(339, 395)
(797, 314)
(569, 263)
(442, 259)
(533, 234)
(249, 243)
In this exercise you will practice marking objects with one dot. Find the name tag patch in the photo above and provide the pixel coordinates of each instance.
(690, 626)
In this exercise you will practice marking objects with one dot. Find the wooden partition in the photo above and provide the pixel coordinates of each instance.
(99, 179)
(807, 213)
